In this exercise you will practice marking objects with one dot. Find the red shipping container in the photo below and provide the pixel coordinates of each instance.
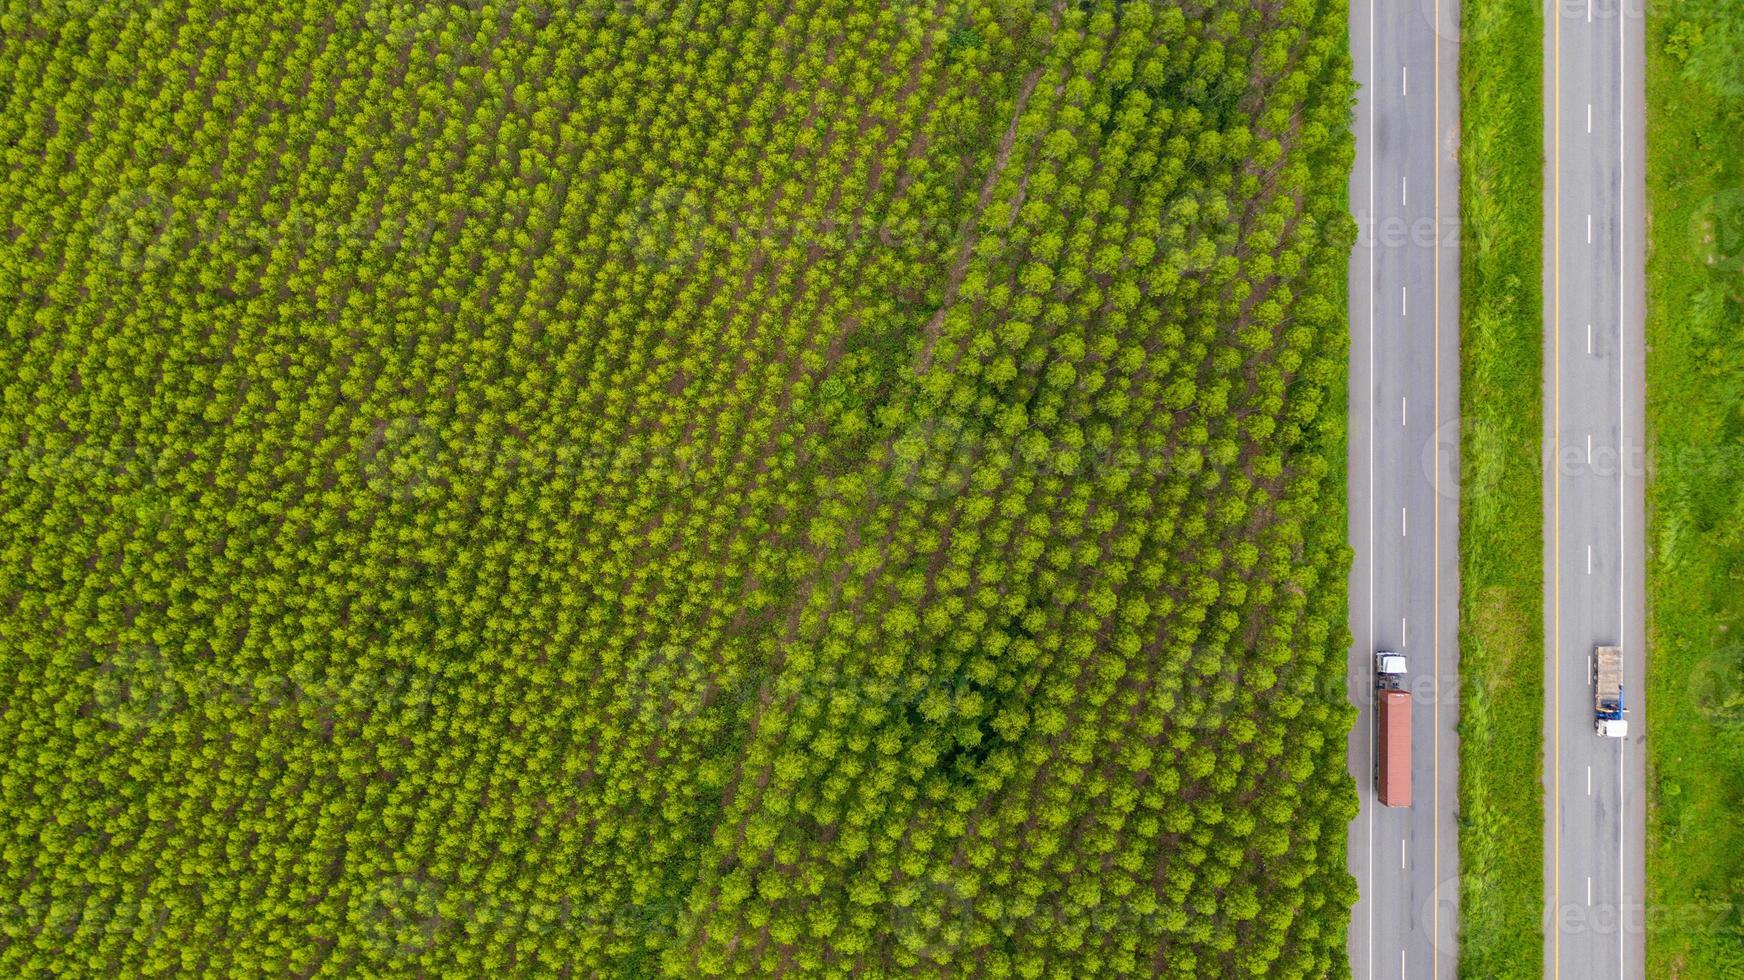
(1393, 759)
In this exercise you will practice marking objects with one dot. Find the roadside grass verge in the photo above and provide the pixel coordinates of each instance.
(1501, 511)
(1695, 553)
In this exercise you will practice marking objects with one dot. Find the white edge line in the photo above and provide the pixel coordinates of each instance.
(1622, 469)
(1370, 303)
(1554, 111)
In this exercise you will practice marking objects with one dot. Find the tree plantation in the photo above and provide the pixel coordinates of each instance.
(630, 488)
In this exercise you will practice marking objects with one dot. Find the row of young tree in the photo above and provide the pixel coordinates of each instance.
(720, 488)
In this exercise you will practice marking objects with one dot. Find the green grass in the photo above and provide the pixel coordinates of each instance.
(1695, 555)
(1501, 525)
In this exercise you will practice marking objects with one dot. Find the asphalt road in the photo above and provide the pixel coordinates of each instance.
(1594, 385)
(1404, 505)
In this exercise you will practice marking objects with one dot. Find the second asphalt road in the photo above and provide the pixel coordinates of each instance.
(1593, 385)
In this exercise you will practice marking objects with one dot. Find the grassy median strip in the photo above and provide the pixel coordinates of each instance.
(1695, 557)
(1501, 519)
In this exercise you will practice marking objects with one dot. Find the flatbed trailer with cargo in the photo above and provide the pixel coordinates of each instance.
(1610, 716)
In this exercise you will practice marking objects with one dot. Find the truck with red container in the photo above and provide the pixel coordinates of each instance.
(1393, 730)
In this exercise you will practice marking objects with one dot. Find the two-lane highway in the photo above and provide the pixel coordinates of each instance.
(1594, 385)
(1404, 400)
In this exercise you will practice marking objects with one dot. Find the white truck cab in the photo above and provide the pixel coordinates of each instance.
(1389, 668)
